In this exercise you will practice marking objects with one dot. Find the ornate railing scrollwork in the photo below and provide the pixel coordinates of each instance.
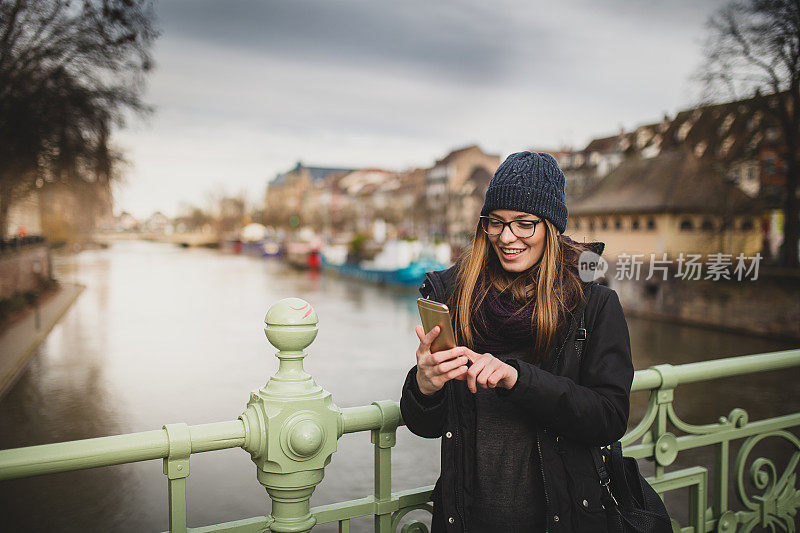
(779, 500)
(644, 424)
(413, 526)
(737, 418)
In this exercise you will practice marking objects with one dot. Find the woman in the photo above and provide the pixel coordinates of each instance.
(542, 374)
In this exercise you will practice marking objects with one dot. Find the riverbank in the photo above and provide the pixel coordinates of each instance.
(20, 339)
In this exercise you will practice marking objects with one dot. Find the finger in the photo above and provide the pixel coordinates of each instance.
(420, 332)
(474, 356)
(446, 355)
(432, 334)
(472, 374)
(457, 373)
(489, 368)
(456, 362)
(494, 378)
(427, 338)
(497, 376)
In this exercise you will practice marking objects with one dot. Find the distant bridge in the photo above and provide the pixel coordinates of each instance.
(188, 240)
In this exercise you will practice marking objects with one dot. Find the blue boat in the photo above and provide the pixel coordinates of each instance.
(409, 276)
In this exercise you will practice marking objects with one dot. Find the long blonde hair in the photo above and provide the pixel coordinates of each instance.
(545, 286)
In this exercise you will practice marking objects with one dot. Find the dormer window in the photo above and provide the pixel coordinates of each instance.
(726, 146)
(683, 130)
(700, 149)
(755, 141)
(642, 137)
(726, 125)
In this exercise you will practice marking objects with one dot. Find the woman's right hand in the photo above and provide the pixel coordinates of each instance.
(436, 369)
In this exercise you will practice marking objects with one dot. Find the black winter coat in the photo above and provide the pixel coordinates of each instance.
(576, 401)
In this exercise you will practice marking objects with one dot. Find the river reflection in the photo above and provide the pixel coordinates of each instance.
(165, 335)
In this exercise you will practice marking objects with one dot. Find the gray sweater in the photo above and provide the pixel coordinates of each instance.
(509, 492)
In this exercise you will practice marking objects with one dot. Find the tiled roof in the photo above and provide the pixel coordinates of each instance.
(673, 181)
(458, 152)
(317, 173)
(604, 144)
(320, 173)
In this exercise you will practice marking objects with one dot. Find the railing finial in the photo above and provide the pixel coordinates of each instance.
(291, 423)
(291, 325)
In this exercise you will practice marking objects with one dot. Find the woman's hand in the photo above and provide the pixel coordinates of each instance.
(488, 372)
(436, 369)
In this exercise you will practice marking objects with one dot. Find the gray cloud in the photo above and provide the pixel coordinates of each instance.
(467, 41)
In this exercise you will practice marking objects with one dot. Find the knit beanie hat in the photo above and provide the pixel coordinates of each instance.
(529, 182)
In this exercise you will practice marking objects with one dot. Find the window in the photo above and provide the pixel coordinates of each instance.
(700, 149)
(726, 146)
(686, 224)
(577, 224)
(651, 223)
(635, 224)
(726, 125)
(683, 131)
(773, 134)
(618, 224)
(769, 164)
(755, 140)
(747, 224)
(604, 224)
(591, 225)
(707, 225)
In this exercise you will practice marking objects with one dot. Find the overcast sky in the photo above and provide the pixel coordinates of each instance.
(244, 89)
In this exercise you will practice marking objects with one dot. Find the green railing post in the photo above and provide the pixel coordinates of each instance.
(176, 468)
(291, 424)
(665, 443)
(384, 439)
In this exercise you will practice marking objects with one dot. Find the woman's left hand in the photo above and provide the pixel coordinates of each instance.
(488, 372)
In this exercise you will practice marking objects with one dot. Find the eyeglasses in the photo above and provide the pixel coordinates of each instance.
(521, 228)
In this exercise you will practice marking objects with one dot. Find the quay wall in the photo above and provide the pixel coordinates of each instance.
(768, 306)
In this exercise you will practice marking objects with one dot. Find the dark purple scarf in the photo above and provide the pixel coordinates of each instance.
(503, 326)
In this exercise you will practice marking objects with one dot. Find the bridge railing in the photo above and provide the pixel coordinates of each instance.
(291, 427)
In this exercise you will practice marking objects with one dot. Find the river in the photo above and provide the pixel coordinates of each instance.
(163, 334)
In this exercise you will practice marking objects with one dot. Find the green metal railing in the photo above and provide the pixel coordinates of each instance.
(291, 427)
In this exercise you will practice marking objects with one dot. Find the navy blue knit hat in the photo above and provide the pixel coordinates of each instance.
(529, 182)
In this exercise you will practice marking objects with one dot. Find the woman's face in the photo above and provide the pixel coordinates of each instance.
(517, 254)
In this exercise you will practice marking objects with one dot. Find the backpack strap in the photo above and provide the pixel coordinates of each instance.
(598, 456)
(581, 335)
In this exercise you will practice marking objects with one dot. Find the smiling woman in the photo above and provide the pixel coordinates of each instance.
(519, 407)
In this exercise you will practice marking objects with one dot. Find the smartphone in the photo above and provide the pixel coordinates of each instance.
(437, 314)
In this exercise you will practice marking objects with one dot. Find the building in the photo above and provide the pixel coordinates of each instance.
(455, 187)
(671, 203)
(368, 198)
(287, 193)
(723, 155)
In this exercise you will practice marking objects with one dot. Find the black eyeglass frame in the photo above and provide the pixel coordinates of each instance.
(485, 220)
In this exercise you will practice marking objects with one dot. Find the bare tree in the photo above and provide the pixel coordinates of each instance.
(754, 48)
(69, 71)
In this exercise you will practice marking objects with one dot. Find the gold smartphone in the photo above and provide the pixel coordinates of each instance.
(437, 314)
